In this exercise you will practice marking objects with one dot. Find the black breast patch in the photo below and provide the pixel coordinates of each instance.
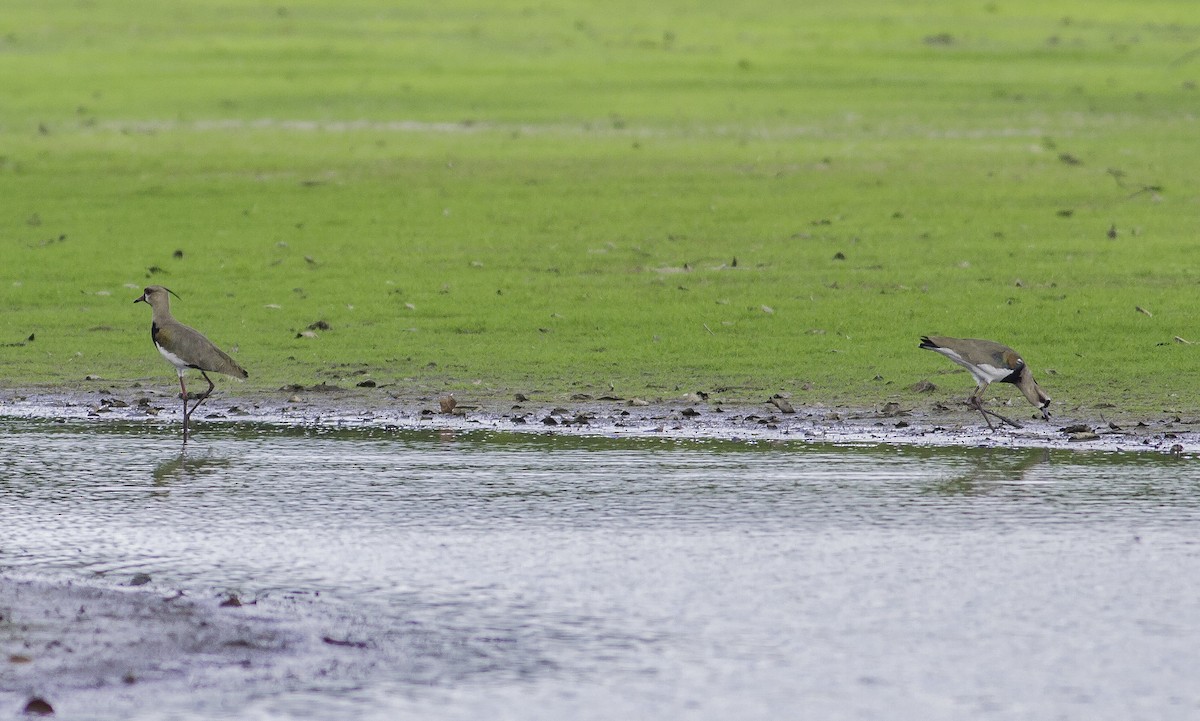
(1015, 376)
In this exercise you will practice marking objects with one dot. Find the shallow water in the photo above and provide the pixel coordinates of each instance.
(523, 576)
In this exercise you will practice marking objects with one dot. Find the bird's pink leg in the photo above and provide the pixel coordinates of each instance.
(976, 401)
(978, 405)
(204, 396)
(183, 395)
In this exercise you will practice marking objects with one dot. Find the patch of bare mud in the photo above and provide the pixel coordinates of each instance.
(688, 417)
(94, 650)
(86, 651)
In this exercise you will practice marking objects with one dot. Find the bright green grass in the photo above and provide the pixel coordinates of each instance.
(509, 196)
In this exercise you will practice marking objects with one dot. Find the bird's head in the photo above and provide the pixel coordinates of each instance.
(155, 294)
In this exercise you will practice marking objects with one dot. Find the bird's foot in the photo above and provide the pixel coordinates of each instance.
(977, 404)
(1009, 421)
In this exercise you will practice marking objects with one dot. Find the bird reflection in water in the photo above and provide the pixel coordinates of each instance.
(184, 467)
(991, 469)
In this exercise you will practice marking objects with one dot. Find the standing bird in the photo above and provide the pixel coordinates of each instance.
(989, 362)
(185, 347)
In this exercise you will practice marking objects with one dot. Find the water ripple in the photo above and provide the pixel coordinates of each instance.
(698, 577)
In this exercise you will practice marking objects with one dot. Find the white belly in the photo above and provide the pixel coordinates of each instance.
(173, 359)
(983, 373)
(989, 373)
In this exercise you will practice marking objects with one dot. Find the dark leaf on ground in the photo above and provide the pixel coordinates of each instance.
(38, 707)
(343, 642)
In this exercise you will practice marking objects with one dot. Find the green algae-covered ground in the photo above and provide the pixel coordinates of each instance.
(777, 197)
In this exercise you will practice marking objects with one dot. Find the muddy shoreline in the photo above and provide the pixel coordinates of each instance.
(687, 417)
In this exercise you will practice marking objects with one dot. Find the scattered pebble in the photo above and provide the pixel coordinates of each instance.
(781, 403)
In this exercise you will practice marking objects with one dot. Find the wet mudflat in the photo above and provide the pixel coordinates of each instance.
(453, 575)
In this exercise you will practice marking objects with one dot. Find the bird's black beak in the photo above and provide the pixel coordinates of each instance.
(141, 299)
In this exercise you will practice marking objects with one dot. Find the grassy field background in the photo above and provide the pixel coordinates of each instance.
(666, 197)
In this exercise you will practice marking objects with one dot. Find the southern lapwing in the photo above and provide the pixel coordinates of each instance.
(989, 362)
(185, 347)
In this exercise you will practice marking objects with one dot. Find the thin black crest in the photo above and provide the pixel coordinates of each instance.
(147, 290)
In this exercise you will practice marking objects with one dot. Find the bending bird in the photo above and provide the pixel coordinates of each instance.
(990, 362)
